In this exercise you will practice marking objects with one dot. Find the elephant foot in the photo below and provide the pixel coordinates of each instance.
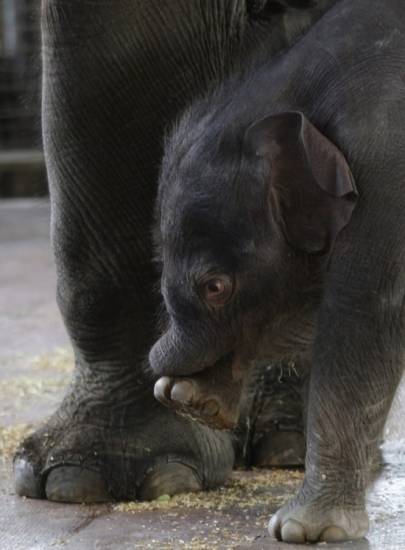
(300, 522)
(200, 399)
(213, 396)
(80, 455)
(279, 449)
(276, 416)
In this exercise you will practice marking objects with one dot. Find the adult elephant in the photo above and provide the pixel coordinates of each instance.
(115, 74)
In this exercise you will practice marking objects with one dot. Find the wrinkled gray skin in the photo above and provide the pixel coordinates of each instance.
(116, 73)
(287, 185)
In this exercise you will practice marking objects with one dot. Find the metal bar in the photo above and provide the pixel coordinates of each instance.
(13, 160)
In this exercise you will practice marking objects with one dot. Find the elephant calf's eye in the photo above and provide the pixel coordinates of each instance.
(216, 290)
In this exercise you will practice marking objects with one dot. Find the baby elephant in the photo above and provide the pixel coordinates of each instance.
(281, 231)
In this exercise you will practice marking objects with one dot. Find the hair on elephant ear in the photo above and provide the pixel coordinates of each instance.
(308, 178)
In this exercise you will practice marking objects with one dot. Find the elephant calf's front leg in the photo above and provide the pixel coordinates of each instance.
(357, 367)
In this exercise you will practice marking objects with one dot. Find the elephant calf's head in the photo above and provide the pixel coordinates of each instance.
(245, 218)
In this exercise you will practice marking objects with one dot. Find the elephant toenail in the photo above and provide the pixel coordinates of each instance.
(75, 484)
(333, 534)
(293, 532)
(169, 479)
(162, 388)
(26, 483)
(210, 408)
(182, 392)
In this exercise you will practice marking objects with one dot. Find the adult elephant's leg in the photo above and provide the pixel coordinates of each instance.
(115, 74)
(277, 415)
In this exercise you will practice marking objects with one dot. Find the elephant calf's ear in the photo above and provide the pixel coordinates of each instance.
(309, 179)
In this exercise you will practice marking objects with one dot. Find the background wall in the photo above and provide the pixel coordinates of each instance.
(21, 162)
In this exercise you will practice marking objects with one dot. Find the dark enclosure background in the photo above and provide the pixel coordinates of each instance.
(21, 161)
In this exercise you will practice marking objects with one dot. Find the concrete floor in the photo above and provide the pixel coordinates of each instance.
(35, 367)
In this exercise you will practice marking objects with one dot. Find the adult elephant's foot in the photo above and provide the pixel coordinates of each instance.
(317, 520)
(95, 451)
(266, 408)
(277, 415)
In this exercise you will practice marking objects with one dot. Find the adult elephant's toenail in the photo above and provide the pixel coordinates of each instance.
(333, 534)
(169, 478)
(292, 531)
(182, 392)
(26, 483)
(75, 484)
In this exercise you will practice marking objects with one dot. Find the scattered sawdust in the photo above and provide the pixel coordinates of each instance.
(11, 437)
(234, 540)
(49, 374)
(247, 499)
(22, 387)
(242, 492)
(199, 543)
(252, 492)
(60, 360)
